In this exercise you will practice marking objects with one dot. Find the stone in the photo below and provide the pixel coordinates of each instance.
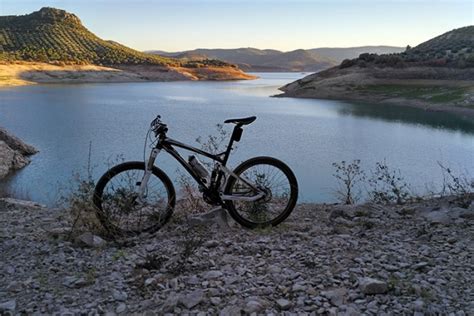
(14, 286)
(420, 266)
(418, 305)
(8, 306)
(372, 286)
(335, 296)
(213, 274)
(119, 296)
(192, 299)
(170, 303)
(253, 306)
(121, 308)
(216, 217)
(88, 239)
(211, 244)
(283, 304)
(438, 217)
(231, 310)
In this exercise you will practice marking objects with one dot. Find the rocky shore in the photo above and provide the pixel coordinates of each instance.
(415, 259)
(13, 153)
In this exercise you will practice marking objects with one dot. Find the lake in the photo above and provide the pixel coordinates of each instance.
(62, 121)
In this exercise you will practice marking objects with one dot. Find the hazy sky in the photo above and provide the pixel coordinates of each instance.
(279, 24)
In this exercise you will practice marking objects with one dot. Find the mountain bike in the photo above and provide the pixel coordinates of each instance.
(136, 196)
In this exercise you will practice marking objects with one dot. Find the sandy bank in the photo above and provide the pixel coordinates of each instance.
(25, 73)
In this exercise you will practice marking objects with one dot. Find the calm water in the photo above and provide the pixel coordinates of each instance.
(62, 120)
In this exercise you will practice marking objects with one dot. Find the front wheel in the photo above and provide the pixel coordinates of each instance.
(123, 209)
(269, 176)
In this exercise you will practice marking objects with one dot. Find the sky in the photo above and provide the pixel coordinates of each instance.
(279, 24)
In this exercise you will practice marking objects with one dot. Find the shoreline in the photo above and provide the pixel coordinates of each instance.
(31, 73)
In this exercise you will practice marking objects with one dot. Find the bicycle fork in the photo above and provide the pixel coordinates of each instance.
(148, 171)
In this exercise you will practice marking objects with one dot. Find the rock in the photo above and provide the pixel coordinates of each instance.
(341, 211)
(297, 287)
(59, 232)
(253, 306)
(418, 305)
(283, 304)
(216, 217)
(336, 296)
(231, 310)
(215, 300)
(119, 296)
(13, 153)
(446, 216)
(11, 203)
(8, 306)
(14, 286)
(121, 308)
(211, 244)
(16, 144)
(192, 299)
(372, 286)
(420, 266)
(170, 303)
(90, 240)
(213, 274)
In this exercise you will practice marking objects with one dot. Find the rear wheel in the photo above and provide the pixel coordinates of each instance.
(272, 177)
(120, 208)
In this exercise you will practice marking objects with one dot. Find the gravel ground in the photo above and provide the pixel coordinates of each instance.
(415, 259)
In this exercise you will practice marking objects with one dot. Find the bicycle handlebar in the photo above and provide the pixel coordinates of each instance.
(157, 126)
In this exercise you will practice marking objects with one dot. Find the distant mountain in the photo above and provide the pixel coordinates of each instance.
(340, 53)
(55, 36)
(253, 59)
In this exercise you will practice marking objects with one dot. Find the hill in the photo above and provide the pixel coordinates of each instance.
(56, 36)
(253, 59)
(437, 75)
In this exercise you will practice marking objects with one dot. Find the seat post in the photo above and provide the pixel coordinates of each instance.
(236, 133)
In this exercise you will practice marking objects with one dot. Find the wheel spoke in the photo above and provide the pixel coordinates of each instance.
(277, 189)
(125, 211)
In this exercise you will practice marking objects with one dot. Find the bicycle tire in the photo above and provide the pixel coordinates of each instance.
(108, 177)
(292, 197)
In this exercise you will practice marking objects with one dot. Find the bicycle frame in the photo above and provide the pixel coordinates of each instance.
(167, 144)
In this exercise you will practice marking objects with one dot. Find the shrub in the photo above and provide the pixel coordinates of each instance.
(387, 185)
(346, 63)
(348, 175)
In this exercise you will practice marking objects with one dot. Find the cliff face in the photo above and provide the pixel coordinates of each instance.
(13, 153)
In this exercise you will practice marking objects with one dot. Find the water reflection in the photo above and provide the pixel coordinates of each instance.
(392, 113)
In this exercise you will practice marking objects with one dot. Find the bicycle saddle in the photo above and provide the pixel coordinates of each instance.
(242, 121)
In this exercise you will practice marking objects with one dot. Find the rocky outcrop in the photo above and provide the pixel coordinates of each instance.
(13, 153)
(378, 260)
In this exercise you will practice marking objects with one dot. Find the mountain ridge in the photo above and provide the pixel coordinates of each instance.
(254, 59)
